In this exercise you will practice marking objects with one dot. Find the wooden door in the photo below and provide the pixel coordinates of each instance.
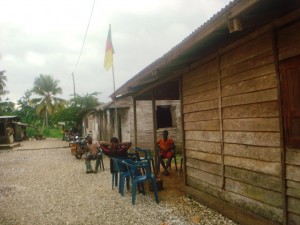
(290, 75)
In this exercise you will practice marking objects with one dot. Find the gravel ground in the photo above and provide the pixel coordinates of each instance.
(41, 183)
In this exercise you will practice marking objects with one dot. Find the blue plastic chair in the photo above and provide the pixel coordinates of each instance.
(123, 172)
(145, 154)
(119, 170)
(140, 178)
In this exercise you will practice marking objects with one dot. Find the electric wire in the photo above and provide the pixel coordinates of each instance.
(87, 28)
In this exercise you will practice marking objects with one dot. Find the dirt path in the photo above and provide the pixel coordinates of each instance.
(41, 183)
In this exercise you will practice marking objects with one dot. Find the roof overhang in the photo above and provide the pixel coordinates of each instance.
(234, 21)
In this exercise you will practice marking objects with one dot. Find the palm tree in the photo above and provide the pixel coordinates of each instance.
(46, 87)
(2, 83)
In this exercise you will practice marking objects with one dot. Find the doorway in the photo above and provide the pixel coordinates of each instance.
(290, 86)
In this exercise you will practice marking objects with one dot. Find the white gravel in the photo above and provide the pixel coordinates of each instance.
(41, 183)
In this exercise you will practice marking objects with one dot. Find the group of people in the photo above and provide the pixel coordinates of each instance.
(114, 148)
(165, 146)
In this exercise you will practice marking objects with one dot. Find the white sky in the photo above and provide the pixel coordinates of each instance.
(45, 37)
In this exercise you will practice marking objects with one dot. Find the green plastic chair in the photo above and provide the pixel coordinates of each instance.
(140, 178)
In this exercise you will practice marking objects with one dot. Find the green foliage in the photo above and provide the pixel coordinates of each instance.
(26, 111)
(47, 132)
(68, 116)
(77, 107)
(7, 109)
(47, 109)
(86, 101)
(47, 103)
(2, 83)
(52, 132)
(33, 131)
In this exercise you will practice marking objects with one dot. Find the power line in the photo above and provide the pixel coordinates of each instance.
(87, 28)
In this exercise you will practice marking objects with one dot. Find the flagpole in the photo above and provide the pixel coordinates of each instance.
(115, 101)
(109, 63)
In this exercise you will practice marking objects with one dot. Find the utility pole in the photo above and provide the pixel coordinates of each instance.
(74, 89)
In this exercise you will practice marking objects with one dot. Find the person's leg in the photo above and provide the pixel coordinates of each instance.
(169, 157)
(98, 160)
(88, 164)
(168, 163)
(160, 161)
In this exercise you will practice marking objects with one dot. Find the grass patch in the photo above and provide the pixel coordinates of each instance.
(48, 132)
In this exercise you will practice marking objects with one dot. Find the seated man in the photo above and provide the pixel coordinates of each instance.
(92, 149)
(166, 148)
(114, 148)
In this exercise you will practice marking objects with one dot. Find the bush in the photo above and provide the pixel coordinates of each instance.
(32, 131)
(48, 132)
(53, 133)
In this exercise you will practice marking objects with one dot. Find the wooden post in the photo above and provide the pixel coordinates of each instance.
(135, 122)
(221, 122)
(282, 139)
(182, 128)
(154, 129)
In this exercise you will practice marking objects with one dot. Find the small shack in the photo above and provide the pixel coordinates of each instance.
(12, 131)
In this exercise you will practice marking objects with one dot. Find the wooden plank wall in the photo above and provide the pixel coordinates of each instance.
(145, 123)
(250, 127)
(125, 123)
(289, 46)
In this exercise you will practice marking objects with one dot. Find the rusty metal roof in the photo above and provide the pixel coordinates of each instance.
(160, 74)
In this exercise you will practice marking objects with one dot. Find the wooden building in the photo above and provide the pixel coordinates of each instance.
(100, 122)
(239, 86)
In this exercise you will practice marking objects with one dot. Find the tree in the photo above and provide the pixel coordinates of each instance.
(2, 83)
(7, 108)
(47, 88)
(76, 108)
(26, 110)
(86, 101)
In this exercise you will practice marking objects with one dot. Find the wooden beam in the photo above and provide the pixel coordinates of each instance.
(221, 123)
(134, 121)
(282, 132)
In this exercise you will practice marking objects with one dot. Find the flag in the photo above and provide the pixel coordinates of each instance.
(109, 51)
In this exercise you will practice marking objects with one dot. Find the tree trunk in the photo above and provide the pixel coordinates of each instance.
(46, 118)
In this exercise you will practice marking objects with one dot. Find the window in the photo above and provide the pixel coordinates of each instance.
(164, 116)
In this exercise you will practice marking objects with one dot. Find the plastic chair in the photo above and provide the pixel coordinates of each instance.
(173, 157)
(99, 160)
(146, 153)
(139, 178)
(121, 171)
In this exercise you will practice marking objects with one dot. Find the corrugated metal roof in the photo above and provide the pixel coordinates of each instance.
(8, 117)
(231, 10)
(205, 40)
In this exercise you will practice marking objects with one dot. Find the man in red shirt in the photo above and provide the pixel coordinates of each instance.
(166, 148)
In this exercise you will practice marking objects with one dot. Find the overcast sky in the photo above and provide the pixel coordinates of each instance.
(46, 36)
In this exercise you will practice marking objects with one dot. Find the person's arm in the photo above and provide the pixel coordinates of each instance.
(172, 145)
(104, 143)
(124, 146)
(105, 146)
(97, 144)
